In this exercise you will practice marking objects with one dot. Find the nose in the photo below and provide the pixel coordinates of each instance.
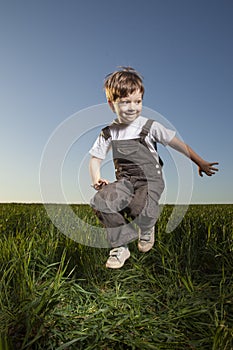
(132, 106)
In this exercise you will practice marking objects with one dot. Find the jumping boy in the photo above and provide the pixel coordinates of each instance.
(132, 200)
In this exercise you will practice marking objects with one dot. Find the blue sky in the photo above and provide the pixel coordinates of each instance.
(55, 55)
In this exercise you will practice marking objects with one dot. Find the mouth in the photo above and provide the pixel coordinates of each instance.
(131, 114)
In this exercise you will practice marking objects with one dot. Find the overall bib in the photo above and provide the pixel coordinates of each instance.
(132, 200)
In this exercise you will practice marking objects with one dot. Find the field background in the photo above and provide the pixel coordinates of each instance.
(56, 294)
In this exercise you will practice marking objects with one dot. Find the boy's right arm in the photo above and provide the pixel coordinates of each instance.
(94, 168)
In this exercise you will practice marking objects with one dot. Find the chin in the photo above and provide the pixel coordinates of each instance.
(129, 119)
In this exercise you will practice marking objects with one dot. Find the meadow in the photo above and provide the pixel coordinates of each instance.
(56, 294)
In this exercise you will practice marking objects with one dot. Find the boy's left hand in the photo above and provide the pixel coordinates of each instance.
(207, 168)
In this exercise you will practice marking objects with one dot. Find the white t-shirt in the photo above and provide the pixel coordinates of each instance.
(118, 131)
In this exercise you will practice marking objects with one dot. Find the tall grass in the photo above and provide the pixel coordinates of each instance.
(56, 294)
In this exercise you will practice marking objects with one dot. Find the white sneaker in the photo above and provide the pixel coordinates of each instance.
(117, 257)
(146, 241)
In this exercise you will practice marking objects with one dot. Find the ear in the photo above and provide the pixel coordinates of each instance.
(111, 105)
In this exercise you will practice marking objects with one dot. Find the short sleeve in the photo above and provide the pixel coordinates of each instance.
(100, 147)
(162, 134)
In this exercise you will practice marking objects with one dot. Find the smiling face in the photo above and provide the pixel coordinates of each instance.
(127, 108)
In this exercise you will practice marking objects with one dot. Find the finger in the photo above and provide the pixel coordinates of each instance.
(102, 181)
(212, 171)
(105, 182)
(211, 165)
(102, 184)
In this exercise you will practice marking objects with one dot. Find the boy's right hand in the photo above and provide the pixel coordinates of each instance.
(100, 183)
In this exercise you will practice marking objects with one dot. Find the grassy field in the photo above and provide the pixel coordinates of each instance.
(56, 294)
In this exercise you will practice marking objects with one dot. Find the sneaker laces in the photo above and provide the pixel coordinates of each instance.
(146, 237)
(116, 252)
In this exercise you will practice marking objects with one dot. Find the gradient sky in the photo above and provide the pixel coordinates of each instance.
(55, 55)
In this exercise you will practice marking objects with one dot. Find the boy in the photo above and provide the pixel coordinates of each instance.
(132, 200)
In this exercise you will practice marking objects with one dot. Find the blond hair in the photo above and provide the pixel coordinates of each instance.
(122, 83)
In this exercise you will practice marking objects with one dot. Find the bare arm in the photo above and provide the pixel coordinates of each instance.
(203, 165)
(94, 168)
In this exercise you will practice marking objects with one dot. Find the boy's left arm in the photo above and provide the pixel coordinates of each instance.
(203, 166)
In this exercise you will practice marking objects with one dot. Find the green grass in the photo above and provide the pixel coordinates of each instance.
(56, 294)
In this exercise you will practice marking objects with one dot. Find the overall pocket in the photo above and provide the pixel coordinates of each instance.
(128, 150)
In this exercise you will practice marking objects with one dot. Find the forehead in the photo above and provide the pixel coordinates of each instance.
(134, 95)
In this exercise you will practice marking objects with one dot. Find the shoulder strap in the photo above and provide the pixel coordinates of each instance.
(146, 128)
(105, 132)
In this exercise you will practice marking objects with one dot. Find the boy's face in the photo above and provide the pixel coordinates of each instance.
(127, 108)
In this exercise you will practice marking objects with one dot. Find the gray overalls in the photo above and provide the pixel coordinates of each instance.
(133, 198)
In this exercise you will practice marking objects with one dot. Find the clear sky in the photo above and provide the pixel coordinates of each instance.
(54, 57)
